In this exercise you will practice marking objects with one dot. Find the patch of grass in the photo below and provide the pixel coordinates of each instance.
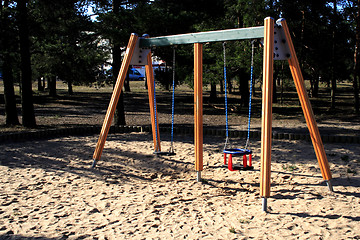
(290, 168)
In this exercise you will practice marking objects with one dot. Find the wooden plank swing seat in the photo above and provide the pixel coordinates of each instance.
(277, 46)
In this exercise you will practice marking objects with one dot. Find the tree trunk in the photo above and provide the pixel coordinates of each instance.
(127, 81)
(332, 71)
(119, 118)
(28, 114)
(357, 61)
(244, 88)
(9, 93)
(213, 95)
(315, 87)
(40, 84)
(275, 100)
(221, 82)
(52, 86)
(229, 85)
(70, 88)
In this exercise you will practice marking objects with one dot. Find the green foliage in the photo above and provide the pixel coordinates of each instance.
(66, 43)
(290, 168)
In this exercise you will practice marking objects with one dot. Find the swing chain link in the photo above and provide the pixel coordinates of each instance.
(171, 150)
(157, 147)
(247, 145)
(227, 141)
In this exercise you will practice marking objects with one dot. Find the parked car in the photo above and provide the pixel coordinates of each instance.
(135, 75)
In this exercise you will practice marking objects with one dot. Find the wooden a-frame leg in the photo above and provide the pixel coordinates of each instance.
(307, 109)
(114, 98)
(266, 131)
(153, 109)
(198, 109)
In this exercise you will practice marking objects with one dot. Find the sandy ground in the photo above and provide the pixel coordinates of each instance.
(49, 191)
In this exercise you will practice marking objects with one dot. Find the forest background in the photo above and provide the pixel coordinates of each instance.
(45, 42)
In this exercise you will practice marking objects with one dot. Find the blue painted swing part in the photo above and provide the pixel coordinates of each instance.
(238, 151)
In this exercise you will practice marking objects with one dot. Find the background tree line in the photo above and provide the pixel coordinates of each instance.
(52, 40)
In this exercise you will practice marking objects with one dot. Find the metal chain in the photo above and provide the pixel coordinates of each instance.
(227, 141)
(155, 115)
(173, 103)
(250, 97)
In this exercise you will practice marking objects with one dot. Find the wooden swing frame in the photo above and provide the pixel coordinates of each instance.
(267, 33)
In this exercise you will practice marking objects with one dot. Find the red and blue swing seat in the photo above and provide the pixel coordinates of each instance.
(238, 152)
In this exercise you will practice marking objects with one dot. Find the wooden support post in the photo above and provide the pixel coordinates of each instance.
(198, 108)
(115, 98)
(153, 108)
(306, 106)
(266, 131)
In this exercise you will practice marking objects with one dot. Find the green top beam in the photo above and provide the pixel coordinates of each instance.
(204, 37)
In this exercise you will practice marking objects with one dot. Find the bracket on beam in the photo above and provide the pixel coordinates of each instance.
(139, 57)
(281, 47)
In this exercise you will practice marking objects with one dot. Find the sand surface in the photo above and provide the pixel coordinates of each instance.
(49, 191)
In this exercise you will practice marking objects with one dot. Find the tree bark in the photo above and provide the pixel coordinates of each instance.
(119, 118)
(221, 82)
(213, 94)
(357, 61)
(333, 77)
(52, 86)
(28, 114)
(315, 86)
(9, 93)
(229, 85)
(244, 87)
(127, 81)
(41, 87)
(70, 88)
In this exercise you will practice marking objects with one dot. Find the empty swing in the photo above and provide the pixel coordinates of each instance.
(171, 150)
(227, 148)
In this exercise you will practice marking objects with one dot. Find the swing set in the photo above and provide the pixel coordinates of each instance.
(277, 44)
